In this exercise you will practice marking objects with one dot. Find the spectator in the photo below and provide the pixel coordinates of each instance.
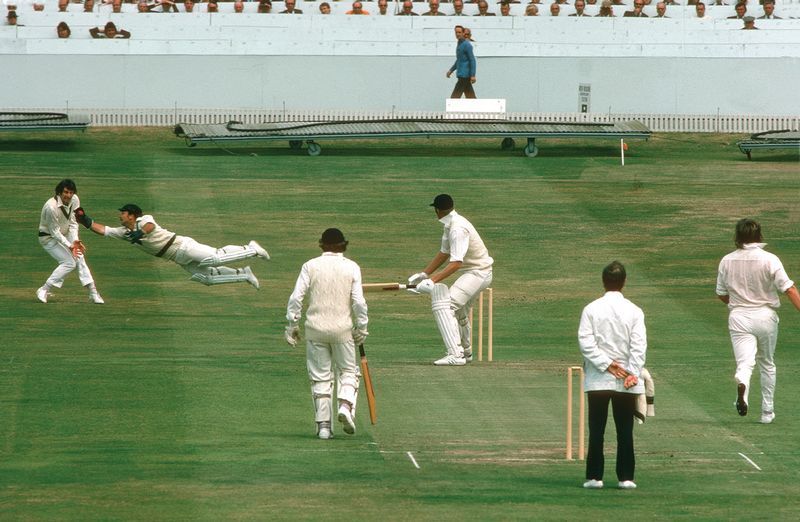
(165, 5)
(62, 6)
(638, 5)
(606, 9)
(109, 31)
(483, 9)
(188, 6)
(433, 9)
(505, 8)
(769, 8)
(580, 6)
(358, 9)
(562, 2)
(749, 23)
(661, 10)
(458, 8)
(238, 6)
(63, 30)
(38, 6)
(531, 10)
(700, 10)
(555, 9)
(116, 6)
(213, 7)
(265, 6)
(11, 18)
(88, 6)
(591, 2)
(741, 10)
(290, 8)
(142, 7)
(325, 8)
(408, 9)
(383, 7)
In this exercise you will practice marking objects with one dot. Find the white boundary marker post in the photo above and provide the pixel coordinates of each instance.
(622, 150)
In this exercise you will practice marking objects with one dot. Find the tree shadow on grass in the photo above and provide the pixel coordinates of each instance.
(39, 145)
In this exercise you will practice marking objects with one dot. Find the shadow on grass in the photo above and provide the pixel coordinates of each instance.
(786, 157)
(40, 145)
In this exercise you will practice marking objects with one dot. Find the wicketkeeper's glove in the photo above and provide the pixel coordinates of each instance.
(82, 218)
(78, 248)
(135, 237)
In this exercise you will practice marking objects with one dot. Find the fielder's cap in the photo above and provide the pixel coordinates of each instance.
(132, 209)
(332, 236)
(749, 19)
(442, 202)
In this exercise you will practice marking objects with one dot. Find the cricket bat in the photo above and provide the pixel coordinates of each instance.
(385, 287)
(373, 414)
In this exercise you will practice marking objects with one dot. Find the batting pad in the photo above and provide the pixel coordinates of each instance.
(321, 392)
(220, 275)
(228, 254)
(446, 319)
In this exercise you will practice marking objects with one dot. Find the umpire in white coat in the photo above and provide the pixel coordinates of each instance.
(613, 341)
(335, 302)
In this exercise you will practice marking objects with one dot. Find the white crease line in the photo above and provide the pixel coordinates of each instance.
(745, 457)
(413, 460)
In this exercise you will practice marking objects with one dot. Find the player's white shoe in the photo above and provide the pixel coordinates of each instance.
(627, 484)
(251, 277)
(346, 418)
(259, 250)
(593, 484)
(324, 430)
(94, 297)
(41, 294)
(450, 360)
(767, 417)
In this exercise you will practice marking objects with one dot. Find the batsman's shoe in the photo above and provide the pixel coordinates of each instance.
(324, 430)
(593, 484)
(767, 417)
(251, 277)
(259, 250)
(346, 418)
(94, 297)
(41, 294)
(627, 484)
(741, 404)
(450, 360)
(468, 355)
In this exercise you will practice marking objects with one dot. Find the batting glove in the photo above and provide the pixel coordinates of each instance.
(292, 335)
(425, 286)
(417, 278)
(360, 335)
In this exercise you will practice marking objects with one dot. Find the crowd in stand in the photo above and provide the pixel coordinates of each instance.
(747, 12)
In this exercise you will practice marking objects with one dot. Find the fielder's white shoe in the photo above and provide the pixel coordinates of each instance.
(627, 484)
(324, 430)
(767, 417)
(468, 355)
(259, 250)
(95, 298)
(346, 418)
(251, 277)
(450, 360)
(41, 294)
(593, 484)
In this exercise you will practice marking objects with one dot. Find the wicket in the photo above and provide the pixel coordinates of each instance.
(581, 413)
(490, 323)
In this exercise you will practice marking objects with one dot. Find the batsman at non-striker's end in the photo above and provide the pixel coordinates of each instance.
(464, 252)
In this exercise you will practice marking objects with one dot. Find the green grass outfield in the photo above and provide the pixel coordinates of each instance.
(176, 401)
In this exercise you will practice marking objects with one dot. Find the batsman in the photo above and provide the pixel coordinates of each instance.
(464, 252)
(332, 284)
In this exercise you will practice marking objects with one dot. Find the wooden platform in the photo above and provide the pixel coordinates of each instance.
(297, 133)
(780, 139)
(42, 121)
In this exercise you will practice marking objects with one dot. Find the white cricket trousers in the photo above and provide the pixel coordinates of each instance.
(66, 263)
(754, 334)
(322, 361)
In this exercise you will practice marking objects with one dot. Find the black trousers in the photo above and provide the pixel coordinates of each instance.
(623, 404)
(463, 87)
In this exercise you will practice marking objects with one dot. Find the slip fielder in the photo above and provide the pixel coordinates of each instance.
(58, 235)
(463, 250)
